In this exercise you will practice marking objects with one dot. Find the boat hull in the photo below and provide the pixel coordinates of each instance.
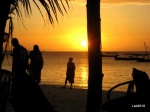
(124, 58)
(143, 60)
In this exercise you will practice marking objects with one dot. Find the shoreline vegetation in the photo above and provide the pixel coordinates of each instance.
(68, 100)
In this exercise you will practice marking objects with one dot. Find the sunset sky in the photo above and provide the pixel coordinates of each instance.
(125, 26)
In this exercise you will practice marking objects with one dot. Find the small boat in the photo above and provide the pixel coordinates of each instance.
(146, 57)
(128, 56)
(109, 54)
(143, 60)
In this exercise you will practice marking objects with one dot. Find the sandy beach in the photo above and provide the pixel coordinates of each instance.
(67, 100)
(70, 100)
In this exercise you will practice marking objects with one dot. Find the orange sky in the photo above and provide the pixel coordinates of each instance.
(125, 27)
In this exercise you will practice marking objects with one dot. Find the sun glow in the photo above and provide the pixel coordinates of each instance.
(84, 43)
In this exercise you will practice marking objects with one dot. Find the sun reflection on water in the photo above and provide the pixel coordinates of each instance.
(83, 77)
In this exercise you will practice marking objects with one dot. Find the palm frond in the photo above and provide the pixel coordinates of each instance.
(67, 3)
(52, 8)
(58, 6)
(63, 6)
(45, 5)
(39, 10)
(26, 5)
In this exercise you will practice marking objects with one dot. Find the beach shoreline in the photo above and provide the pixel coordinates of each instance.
(71, 100)
(68, 100)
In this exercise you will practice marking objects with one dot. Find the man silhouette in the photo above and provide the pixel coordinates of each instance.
(20, 58)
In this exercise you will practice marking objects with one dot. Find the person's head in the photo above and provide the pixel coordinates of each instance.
(36, 48)
(70, 59)
(15, 42)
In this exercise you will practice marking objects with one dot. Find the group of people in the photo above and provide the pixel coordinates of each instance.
(26, 94)
(21, 58)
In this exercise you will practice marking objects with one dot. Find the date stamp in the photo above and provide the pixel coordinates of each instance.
(138, 105)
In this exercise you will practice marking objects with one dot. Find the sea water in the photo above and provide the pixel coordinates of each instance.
(55, 64)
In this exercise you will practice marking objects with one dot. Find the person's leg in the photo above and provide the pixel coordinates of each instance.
(38, 77)
(65, 83)
(71, 86)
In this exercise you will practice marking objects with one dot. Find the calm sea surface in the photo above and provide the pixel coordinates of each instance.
(54, 70)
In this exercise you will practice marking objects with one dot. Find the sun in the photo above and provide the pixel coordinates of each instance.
(84, 43)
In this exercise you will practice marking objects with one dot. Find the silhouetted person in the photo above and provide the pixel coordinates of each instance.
(27, 95)
(36, 63)
(20, 58)
(70, 73)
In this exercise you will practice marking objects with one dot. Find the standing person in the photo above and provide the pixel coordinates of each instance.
(36, 63)
(70, 73)
(27, 94)
(20, 58)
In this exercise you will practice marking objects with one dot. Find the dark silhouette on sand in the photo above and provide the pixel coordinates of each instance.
(5, 88)
(23, 83)
(133, 101)
(27, 95)
(70, 72)
(20, 58)
(36, 63)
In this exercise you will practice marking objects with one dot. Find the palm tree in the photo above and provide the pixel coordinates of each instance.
(8, 7)
(94, 96)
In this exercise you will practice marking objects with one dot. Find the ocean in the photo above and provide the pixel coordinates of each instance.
(55, 64)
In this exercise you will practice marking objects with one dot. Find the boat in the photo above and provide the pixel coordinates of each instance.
(146, 57)
(109, 54)
(127, 57)
(143, 60)
(140, 57)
